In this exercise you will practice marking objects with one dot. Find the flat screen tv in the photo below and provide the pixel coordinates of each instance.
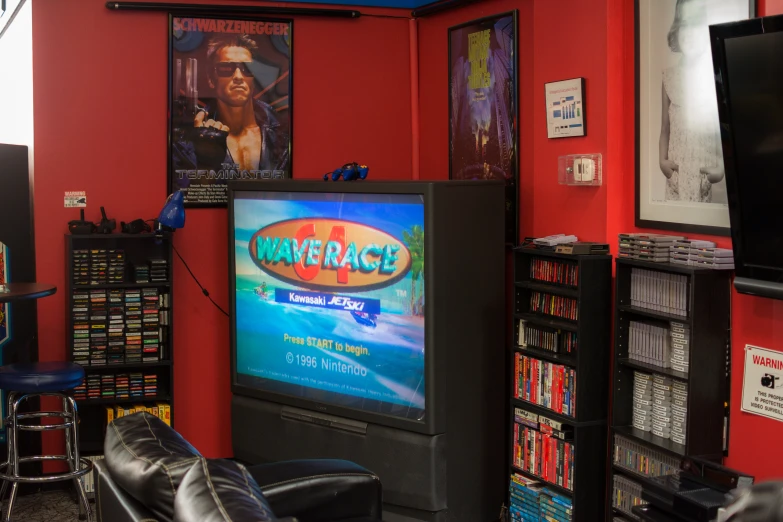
(748, 64)
(328, 298)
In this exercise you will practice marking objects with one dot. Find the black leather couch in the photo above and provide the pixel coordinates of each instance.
(152, 474)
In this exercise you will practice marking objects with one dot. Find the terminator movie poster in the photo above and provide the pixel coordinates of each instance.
(483, 106)
(230, 104)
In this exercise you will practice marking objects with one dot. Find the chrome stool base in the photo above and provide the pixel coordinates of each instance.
(69, 422)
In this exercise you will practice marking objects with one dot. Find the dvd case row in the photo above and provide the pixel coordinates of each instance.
(554, 272)
(546, 384)
(548, 304)
(536, 336)
(649, 343)
(543, 450)
(626, 494)
(642, 459)
(659, 291)
(532, 501)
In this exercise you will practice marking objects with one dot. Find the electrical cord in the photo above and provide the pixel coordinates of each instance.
(203, 290)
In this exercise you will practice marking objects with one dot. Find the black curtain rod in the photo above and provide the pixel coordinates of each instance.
(440, 6)
(231, 9)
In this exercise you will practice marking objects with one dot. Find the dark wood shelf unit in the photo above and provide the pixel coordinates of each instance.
(653, 314)
(651, 368)
(552, 288)
(109, 286)
(588, 360)
(138, 248)
(540, 353)
(133, 400)
(550, 322)
(708, 316)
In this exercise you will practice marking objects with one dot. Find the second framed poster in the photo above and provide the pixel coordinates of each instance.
(680, 182)
(230, 104)
(483, 130)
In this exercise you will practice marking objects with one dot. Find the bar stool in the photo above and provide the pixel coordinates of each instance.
(28, 380)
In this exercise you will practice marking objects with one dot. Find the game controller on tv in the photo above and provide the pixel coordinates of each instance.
(348, 172)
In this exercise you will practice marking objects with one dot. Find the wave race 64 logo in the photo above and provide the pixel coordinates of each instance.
(330, 254)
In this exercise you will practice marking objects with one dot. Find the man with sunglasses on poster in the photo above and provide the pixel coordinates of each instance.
(234, 130)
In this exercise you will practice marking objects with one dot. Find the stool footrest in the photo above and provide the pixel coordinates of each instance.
(44, 427)
(84, 468)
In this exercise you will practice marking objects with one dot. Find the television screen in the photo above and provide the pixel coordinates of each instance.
(754, 73)
(330, 298)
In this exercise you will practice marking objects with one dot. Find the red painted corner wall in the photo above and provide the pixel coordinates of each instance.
(755, 321)
(100, 126)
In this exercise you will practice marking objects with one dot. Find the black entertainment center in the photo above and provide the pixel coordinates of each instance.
(441, 456)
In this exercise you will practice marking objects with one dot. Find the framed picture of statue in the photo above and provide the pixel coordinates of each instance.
(680, 181)
(483, 129)
(230, 104)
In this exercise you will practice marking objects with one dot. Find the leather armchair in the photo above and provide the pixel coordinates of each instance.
(148, 466)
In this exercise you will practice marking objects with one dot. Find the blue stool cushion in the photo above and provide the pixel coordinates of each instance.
(54, 376)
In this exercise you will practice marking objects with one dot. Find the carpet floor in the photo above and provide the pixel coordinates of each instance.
(50, 506)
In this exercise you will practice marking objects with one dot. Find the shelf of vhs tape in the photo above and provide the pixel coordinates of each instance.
(561, 317)
(671, 377)
(118, 310)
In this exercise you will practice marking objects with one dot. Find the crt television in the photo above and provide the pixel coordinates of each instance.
(329, 290)
(749, 83)
(367, 324)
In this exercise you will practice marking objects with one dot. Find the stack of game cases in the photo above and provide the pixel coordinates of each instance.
(150, 385)
(116, 345)
(647, 247)
(81, 327)
(141, 273)
(679, 411)
(80, 392)
(680, 340)
(681, 250)
(121, 385)
(81, 267)
(133, 326)
(107, 386)
(116, 272)
(554, 507)
(99, 266)
(626, 494)
(150, 324)
(701, 254)
(649, 343)
(714, 258)
(136, 381)
(642, 401)
(642, 459)
(662, 406)
(93, 386)
(158, 270)
(98, 327)
(524, 494)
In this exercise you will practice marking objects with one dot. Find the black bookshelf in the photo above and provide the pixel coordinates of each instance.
(138, 250)
(592, 327)
(708, 309)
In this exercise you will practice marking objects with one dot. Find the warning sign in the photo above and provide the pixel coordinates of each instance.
(76, 198)
(762, 383)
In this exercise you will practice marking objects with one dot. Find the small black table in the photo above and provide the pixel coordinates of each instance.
(19, 291)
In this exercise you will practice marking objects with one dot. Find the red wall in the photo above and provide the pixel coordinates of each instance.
(103, 74)
(606, 61)
(100, 122)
